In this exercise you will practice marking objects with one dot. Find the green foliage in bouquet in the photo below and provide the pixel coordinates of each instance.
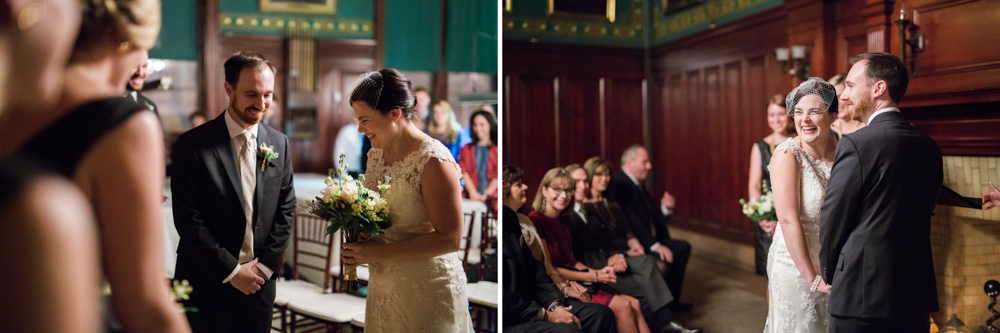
(350, 206)
(762, 208)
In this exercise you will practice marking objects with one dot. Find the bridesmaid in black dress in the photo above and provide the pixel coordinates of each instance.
(112, 148)
(782, 128)
(48, 245)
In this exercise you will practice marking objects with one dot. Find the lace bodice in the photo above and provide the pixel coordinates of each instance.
(418, 295)
(793, 307)
(814, 175)
(406, 205)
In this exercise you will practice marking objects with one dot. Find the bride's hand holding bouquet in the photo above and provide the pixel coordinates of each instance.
(351, 207)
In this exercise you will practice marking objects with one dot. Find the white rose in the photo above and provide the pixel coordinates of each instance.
(327, 193)
(375, 196)
(266, 149)
(766, 206)
(349, 193)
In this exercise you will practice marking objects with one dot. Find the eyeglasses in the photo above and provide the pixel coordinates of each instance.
(567, 191)
(812, 112)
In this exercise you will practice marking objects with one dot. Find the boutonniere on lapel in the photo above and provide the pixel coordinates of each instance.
(267, 153)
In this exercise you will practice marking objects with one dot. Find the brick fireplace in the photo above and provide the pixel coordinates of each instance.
(966, 242)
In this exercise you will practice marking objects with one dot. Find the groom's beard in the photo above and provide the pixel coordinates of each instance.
(863, 108)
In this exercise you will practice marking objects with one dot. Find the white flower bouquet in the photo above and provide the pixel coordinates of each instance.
(348, 205)
(762, 208)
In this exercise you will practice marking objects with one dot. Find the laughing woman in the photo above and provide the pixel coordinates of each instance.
(555, 194)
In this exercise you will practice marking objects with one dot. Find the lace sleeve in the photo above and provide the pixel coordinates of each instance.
(434, 149)
(791, 145)
(374, 173)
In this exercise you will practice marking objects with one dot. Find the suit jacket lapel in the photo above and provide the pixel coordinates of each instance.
(224, 152)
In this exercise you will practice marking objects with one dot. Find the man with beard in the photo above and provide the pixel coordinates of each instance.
(135, 83)
(875, 226)
(233, 202)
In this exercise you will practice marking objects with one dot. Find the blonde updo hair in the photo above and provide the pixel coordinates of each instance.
(136, 22)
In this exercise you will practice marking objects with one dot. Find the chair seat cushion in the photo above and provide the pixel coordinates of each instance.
(483, 293)
(358, 320)
(286, 291)
(337, 307)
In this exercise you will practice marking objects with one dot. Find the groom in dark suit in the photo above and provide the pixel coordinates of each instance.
(648, 219)
(233, 205)
(875, 225)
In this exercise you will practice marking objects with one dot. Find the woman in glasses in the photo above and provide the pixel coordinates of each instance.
(555, 195)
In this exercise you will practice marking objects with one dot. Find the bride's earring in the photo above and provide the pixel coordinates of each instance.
(30, 15)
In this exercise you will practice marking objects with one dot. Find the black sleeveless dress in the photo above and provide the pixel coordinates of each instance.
(66, 141)
(62, 145)
(762, 242)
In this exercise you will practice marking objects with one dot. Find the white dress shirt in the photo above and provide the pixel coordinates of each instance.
(663, 209)
(235, 131)
(880, 111)
(578, 209)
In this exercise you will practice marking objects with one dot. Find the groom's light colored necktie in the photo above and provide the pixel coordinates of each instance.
(248, 177)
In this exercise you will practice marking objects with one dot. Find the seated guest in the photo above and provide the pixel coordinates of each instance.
(478, 159)
(197, 118)
(648, 219)
(532, 302)
(601, 235)
(444, 127)
(555, 195)
(514, 196)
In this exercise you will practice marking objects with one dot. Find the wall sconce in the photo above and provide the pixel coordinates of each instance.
(916, 42)
(800, 66)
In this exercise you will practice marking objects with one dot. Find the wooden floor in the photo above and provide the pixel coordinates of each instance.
(726, 299)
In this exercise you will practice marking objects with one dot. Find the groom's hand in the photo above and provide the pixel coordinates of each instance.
(245, 280)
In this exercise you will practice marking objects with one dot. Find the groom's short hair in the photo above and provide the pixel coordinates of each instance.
(244, 59)
(885, 67)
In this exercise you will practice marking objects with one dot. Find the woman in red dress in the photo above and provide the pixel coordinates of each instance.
(478, 160)
(555, 194)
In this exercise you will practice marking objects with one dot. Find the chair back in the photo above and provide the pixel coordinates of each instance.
(488, 242)
(470, 223)
(313, 248)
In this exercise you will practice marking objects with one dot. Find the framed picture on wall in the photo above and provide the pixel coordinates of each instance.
(583, 9)
(673, 6)
(328, 7)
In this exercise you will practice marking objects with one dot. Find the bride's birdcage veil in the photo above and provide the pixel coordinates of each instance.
(812, 86)
(382, 91)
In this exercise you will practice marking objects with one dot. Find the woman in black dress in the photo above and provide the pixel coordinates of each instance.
(48, 244)
(782, 128)
(112, 148)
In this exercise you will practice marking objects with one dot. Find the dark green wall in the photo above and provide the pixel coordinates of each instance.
(413, 35)
(179, 32)
(529, 20)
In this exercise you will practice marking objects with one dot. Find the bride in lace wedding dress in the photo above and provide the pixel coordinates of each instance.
(800, 169)
(416, 283)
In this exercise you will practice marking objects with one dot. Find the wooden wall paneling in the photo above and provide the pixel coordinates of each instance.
(878, 24)
(208, 73)
(539, 139)
(579, 107)
(960, 64)
(625, 122)
(977, 123)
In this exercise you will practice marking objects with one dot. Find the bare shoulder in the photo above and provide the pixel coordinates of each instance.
(40, 222)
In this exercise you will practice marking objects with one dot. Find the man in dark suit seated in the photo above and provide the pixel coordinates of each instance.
(649, 220)
(532, 302)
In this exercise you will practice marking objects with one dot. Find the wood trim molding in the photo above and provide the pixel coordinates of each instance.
(208, 75)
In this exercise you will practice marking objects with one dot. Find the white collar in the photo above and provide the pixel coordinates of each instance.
(630, 176)
(577, 207)
(880, 111)
(235, 129)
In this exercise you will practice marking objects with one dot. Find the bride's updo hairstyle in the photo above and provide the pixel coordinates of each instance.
(385, 90)
(813, 86)
(132, 24)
